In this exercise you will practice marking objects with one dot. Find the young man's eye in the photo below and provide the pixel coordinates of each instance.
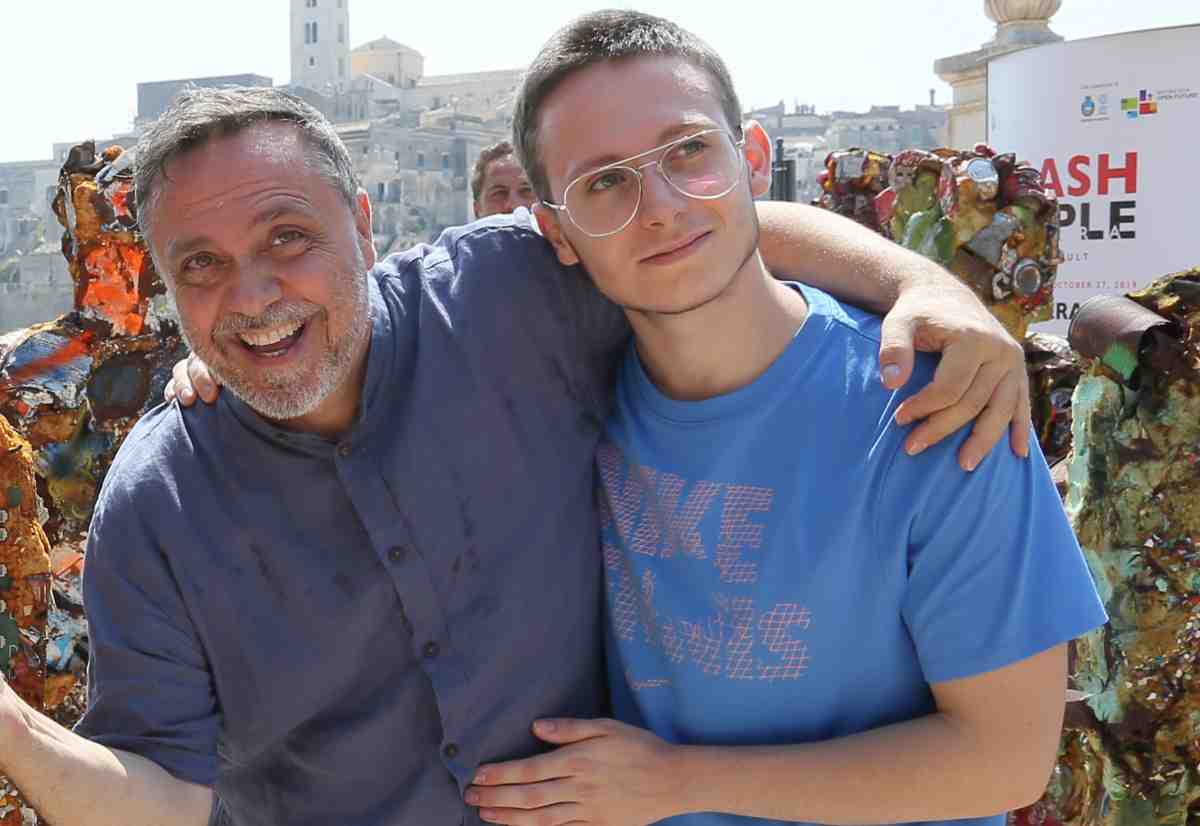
(692, 147)
(609, 180)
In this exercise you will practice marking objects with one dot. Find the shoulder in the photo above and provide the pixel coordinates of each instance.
(504, 247)
(158, 450)
(862, 331)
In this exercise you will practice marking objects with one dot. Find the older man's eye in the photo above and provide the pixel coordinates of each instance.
(199, 262)
(287, 236)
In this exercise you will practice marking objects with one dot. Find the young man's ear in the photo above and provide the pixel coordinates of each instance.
(362, 227)
(758, 154)
(547, 220)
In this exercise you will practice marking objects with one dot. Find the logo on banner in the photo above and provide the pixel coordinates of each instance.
(1094, 107)
(1143, 105)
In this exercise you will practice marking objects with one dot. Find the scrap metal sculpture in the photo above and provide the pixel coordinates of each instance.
(1131, 749)
(70, 391)
(988, 219)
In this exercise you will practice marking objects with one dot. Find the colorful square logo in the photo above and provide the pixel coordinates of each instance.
(1147, 105)
(1130, 107)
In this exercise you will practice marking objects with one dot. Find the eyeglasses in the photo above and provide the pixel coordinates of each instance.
(706, 165)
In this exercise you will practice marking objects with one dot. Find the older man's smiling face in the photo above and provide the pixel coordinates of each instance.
(267, 264)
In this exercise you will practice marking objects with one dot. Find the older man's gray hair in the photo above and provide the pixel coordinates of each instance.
(197, 116)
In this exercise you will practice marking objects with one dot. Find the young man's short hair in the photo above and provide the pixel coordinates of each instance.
(612, 34)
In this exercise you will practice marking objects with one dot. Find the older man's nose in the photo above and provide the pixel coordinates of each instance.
(257, 289)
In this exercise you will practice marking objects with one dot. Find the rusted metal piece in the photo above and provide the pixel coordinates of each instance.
(1130, 753)
(1122, 334)
(70, 390)
(24, 591)
(988, 219)
(1054, 370)
(985, 216)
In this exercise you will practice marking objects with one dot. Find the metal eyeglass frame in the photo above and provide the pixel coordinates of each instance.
(637, 170)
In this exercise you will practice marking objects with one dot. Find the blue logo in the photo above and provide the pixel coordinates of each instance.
(1088, 107)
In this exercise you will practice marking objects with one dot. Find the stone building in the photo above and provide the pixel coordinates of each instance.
(808, 136)
(154, 97)
(1020, 24)
(320, 44)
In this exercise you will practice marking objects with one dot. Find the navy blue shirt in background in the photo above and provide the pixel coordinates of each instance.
(340, 632)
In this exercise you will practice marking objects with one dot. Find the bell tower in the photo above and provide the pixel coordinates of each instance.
(320, 37)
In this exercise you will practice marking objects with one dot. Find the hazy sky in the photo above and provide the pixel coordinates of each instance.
(70, 67)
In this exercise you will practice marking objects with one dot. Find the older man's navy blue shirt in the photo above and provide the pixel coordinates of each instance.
(340, 632)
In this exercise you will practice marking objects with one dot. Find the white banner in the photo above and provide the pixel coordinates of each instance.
(1113, 123)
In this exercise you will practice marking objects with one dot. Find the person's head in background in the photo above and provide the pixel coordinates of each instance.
(498, 184)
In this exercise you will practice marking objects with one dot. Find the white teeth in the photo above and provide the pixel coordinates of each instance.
(272, 335)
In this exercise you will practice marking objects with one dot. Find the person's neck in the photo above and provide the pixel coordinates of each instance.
(725, 344)
(336, 414)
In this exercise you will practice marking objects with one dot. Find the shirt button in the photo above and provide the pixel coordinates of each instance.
(396, 554)
(432, 649)
(344, 449)
(451, 751)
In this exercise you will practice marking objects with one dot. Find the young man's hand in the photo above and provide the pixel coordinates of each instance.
(604, 772)
(981, 376)
(190, 378)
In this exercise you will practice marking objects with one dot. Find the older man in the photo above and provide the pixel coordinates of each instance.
(498, 183)
(334, 593)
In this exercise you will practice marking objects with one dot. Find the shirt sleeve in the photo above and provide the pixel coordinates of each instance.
(599, 326)
(995, 572)
(150, 690)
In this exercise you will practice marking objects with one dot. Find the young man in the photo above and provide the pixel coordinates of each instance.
(498, 183)
(811, 626)
(320, 599)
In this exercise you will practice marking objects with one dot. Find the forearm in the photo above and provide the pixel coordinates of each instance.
(925, 769)
(72, 781)
(840, 257)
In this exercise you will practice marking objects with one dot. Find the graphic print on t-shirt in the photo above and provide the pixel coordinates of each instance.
(725, 631)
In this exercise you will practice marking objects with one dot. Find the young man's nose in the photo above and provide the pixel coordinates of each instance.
(661, 202)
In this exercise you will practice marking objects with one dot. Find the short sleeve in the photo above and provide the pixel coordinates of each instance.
(601, 333)
(600, 326)
(150, 690)
(995, 572)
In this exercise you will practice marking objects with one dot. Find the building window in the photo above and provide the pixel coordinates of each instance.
(314, 25)
(366, 150)
(341, 32)
(420, 160)
(308, 32)
(3, 197)
(397, 158)
(312, 61)
(381, 191)
(341, 67)
(445, 160)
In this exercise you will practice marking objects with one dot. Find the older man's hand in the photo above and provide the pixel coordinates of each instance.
(981, 376)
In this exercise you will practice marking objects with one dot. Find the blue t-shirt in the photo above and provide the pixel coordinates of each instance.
(780, 571)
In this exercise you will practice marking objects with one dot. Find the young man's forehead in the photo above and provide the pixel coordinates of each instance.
(631, 105)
